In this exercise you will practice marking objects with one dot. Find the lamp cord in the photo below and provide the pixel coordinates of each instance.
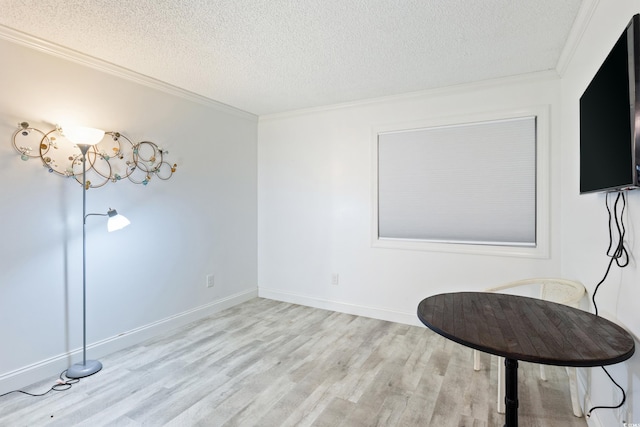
(621, 257)
(62, 384)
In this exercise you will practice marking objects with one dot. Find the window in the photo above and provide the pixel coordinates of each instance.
(472, 186)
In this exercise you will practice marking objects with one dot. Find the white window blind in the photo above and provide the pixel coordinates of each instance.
(471, 183)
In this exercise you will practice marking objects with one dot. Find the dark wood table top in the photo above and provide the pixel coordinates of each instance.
(527, 329)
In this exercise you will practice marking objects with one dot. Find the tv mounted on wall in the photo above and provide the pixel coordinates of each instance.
(610, 119)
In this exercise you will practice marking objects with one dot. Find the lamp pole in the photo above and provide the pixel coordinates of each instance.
(87, 367)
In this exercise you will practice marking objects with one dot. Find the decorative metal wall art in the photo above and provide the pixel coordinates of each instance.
(113, 159)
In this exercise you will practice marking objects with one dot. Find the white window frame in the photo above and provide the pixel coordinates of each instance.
(540, 250)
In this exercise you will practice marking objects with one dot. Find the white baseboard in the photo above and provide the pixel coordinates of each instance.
(342, 307)
(51, 367)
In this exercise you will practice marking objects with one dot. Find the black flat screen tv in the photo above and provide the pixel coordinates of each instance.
(610, 119)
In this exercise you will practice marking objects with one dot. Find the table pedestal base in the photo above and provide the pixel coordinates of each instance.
(511, 392)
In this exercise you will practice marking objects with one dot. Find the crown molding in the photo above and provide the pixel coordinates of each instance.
(71, 55)
(585, 14)
(537, 76)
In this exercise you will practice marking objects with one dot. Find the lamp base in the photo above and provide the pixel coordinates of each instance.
(81, 370)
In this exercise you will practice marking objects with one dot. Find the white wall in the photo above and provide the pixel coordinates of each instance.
(315, 204)
(584, 218)
(146, 277)
(314, 212)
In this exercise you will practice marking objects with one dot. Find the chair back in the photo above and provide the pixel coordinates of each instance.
(562, 291)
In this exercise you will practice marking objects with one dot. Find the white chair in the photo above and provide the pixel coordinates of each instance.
(562, 291)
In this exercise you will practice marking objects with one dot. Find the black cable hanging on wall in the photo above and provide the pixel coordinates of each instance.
(620, 256)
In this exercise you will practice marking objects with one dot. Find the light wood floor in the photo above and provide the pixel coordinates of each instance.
(267, 363)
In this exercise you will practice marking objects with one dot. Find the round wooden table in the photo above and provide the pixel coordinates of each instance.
(527, 329)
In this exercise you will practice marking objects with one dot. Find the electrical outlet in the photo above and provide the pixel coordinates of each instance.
(335, 279)
(210, 280)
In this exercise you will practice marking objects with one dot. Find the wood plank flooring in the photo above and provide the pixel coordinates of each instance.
(268, 363)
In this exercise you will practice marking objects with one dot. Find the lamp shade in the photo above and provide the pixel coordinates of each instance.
(116, 221)
(83, 135)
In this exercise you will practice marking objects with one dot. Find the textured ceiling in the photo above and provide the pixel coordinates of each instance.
(268, 56)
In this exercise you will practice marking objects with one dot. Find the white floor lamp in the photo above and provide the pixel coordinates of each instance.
(84, 138)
